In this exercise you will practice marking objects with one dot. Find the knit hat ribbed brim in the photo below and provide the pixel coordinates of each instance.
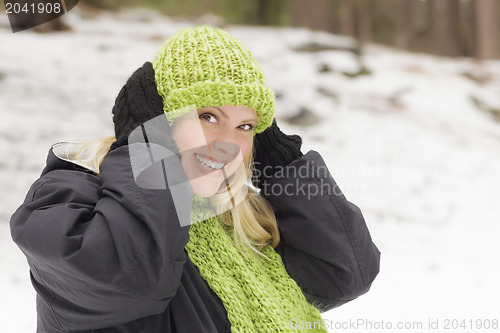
(204, 67)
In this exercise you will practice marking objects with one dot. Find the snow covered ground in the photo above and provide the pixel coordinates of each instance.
(406, 143)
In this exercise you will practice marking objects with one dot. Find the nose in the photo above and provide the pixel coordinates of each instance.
(226, 148)
(223, 143)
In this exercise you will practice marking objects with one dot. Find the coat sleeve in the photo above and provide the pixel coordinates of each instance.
(324, 241)
(101, 251)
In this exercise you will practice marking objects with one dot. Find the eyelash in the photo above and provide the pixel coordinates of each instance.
(210, 115)
(202, 116)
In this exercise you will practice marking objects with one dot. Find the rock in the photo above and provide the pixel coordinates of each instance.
(479, 78)
(324, 68)
(483, 106)
(328, 93)
(395, 100)
(303, 118)
(57, 24)
(318, 47)
(362, 71)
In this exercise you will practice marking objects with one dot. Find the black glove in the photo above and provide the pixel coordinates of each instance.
(137, 102)
(138, 117)
(274, 149)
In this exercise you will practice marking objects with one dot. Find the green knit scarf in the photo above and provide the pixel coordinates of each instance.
(258, 294)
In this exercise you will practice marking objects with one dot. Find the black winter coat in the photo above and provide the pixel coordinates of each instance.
(107, 256)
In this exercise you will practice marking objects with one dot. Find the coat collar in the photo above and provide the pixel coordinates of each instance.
(64, 155)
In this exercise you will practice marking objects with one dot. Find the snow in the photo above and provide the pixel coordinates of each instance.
(405, 143)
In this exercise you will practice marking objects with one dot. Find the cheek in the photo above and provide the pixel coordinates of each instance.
(188, 136)
(245, 145)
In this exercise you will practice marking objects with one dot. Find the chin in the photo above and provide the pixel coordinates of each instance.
(205, 187)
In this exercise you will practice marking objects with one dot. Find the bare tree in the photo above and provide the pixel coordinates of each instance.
(437, 38)
(322, 14)
(444, 27)
(365, 22)
(486, 29)
(404, 24)
(347, 26)
(453, 28)
(317, 15)
(467, 32)
(262, 12)
(298, 13)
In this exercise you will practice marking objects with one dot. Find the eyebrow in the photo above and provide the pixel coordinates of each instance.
(224, 114)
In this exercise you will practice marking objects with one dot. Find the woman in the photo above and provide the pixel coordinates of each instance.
(117, 234)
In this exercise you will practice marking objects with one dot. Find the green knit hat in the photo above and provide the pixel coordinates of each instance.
(204, 67)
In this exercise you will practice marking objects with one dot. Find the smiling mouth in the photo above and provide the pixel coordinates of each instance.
(209, 163)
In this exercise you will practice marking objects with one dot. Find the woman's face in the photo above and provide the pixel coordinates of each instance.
(213, 144)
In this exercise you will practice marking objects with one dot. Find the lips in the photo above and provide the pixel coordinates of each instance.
(209, 163)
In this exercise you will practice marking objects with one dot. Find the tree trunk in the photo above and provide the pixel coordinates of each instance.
(347, 18)
(467, 32)
(299, 17)
(365, 22)
(262, 12)
(404, 25)
(453, 30)
(486, 29)
(437, 36)
(315, 15)
(321, 13)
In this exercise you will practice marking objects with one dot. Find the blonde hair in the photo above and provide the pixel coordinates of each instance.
(252, 219)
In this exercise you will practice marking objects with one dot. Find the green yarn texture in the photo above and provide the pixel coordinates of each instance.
(205, 67)
(258, 294)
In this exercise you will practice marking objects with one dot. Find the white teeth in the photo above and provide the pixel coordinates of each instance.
(208, 163)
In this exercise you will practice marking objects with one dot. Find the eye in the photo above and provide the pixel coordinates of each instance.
(208, 117)
(246, 127)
